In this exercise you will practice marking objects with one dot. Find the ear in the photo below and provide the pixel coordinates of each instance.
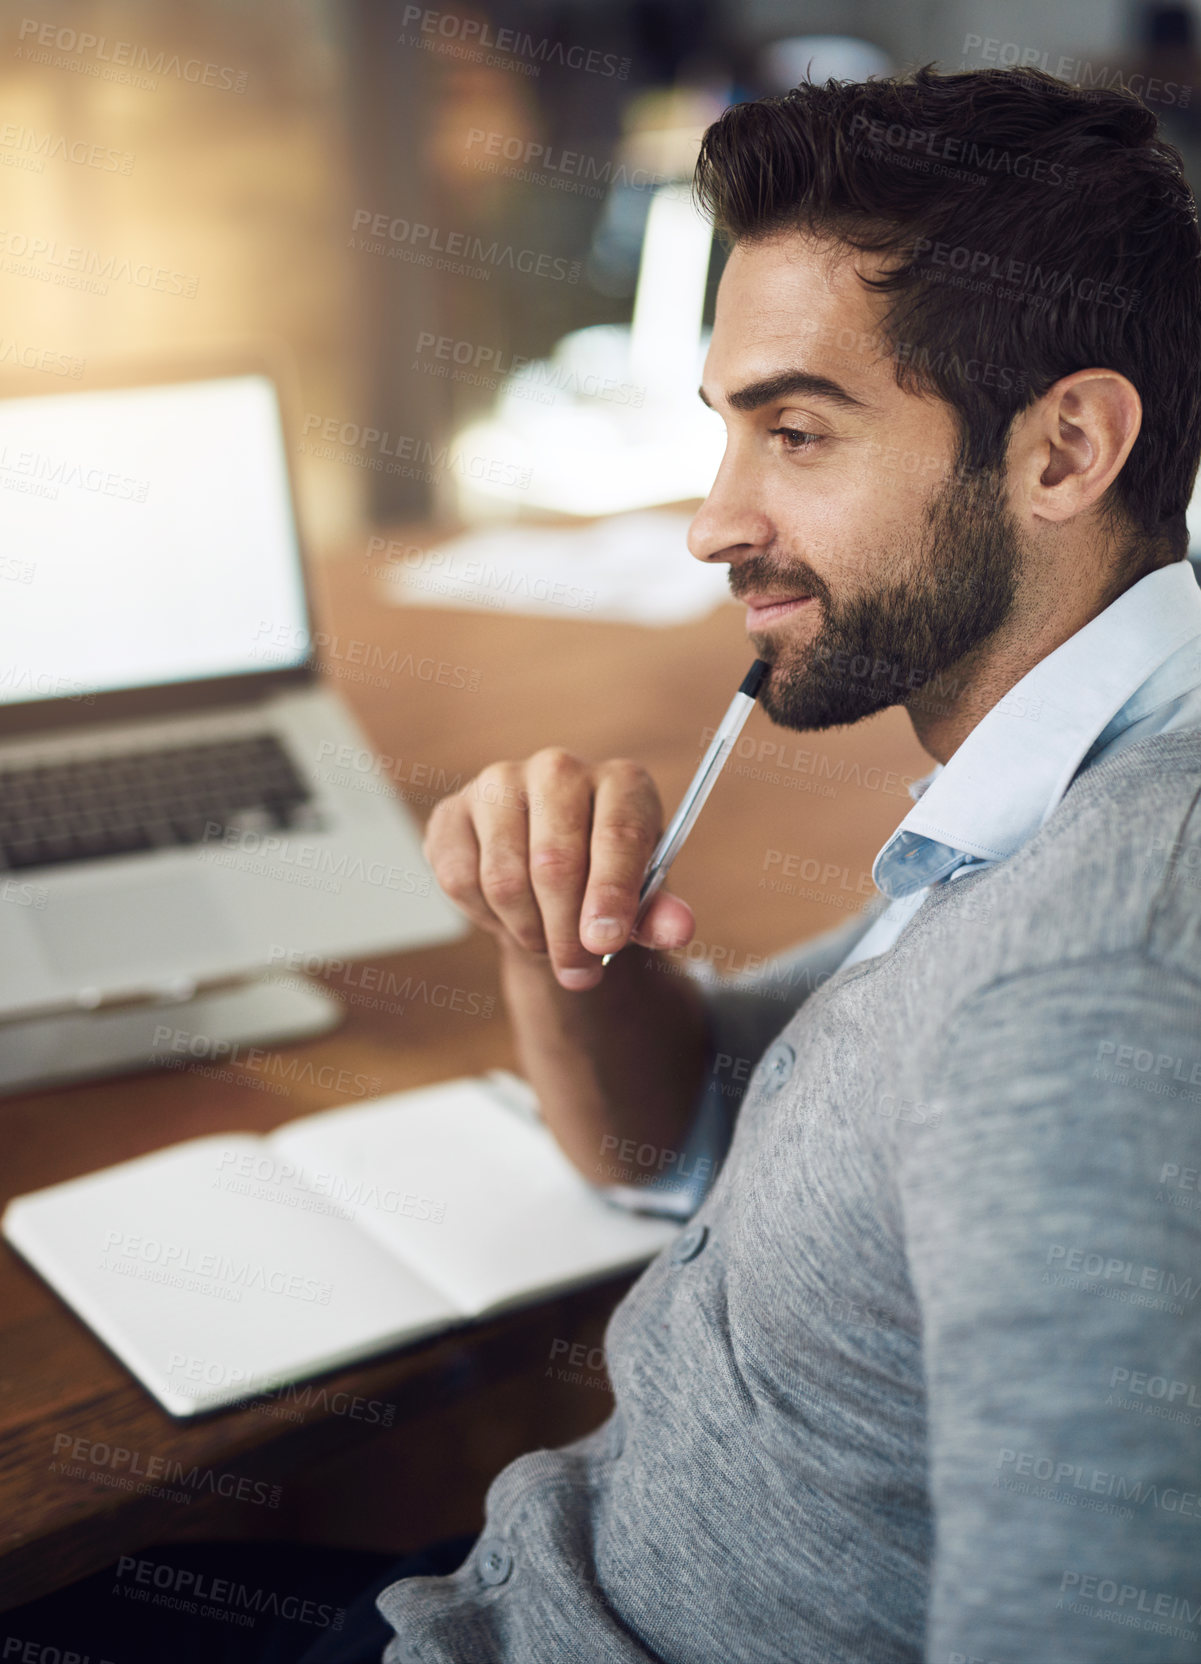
(1071, 444)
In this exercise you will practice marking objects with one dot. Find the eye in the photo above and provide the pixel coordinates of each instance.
(795, 439)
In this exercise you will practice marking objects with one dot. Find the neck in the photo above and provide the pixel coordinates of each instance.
(945, 711)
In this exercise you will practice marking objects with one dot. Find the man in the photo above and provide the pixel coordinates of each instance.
(910, 1384)
(919, 1380)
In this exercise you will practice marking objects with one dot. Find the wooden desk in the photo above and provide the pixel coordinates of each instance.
(783, 851)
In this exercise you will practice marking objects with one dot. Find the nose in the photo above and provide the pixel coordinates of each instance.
(730, 522)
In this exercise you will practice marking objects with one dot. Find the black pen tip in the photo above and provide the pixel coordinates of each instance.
(754, 678)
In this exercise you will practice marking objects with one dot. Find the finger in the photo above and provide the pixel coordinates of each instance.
(452, 848)
(669, 923)
(498, 805)
(560, 829)
(626, 821)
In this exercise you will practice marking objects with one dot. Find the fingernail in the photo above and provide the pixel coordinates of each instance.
(604, 930)
(577, 979)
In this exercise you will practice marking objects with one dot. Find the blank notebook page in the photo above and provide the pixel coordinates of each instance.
(166, 1266)
(516, 1219)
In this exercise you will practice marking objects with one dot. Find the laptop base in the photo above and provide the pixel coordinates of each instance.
(217, 1031)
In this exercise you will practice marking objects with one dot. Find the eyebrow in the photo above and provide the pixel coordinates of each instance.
(758, 393)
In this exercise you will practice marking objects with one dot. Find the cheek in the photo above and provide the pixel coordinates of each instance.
(839, 526)
(907, 472)
(869, 506)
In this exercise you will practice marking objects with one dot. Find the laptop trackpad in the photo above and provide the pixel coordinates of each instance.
(160, 925)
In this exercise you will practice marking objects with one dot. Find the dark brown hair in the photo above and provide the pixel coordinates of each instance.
(1028, 228)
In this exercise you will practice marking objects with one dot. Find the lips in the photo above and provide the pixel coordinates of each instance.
(766, 609)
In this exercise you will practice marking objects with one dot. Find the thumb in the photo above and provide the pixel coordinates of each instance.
(669, 923)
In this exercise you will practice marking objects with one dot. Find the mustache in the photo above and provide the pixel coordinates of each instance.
(758, 576)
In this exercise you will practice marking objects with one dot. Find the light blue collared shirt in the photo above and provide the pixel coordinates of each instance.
(1131, 672)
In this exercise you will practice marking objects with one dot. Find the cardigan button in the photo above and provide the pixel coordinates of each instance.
(775, 1070)
(495, 1562)
(689, 1245)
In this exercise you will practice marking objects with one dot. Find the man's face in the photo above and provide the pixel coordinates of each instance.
(838, 487)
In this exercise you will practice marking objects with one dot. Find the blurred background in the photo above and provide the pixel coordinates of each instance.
(468, 226)
(466, 232)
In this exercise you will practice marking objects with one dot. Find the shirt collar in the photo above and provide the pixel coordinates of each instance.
(1012, 770)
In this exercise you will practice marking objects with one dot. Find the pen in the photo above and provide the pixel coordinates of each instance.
(693, 800)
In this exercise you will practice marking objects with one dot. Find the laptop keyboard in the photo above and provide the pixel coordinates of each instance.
(139, 800)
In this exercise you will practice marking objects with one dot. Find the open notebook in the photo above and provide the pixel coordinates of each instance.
(233, 1264)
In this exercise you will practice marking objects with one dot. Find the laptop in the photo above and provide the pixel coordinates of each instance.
(171, 812)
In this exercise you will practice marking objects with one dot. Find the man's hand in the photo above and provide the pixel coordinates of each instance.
(548, 856)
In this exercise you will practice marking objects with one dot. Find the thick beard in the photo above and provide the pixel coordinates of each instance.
(883, 646)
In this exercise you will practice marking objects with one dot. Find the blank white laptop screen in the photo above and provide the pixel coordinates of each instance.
(147, 537)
